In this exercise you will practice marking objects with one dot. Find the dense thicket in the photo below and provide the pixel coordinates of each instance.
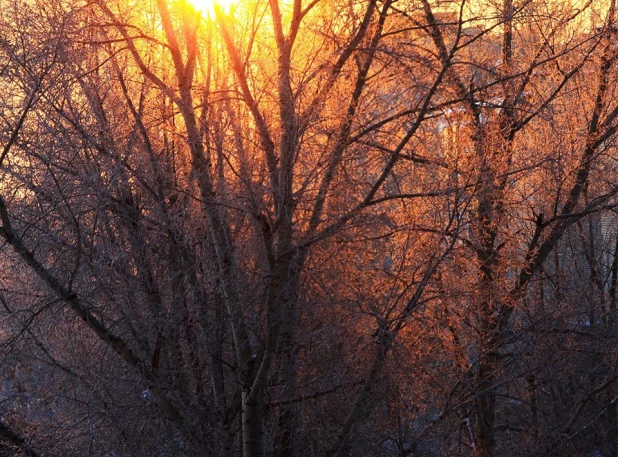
(308, 228)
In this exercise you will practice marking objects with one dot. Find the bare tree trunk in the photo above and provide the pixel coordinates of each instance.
(289, 414)
(613, 286)
(485, 435)
(253, 424)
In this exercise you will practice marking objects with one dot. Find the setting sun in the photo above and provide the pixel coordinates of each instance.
(208, 6)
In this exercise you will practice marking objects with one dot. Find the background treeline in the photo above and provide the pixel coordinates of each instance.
(304, 228)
